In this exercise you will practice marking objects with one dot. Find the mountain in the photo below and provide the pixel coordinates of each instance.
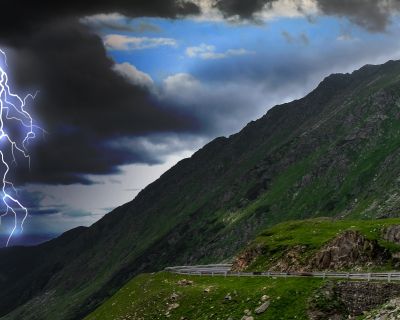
(332, 153)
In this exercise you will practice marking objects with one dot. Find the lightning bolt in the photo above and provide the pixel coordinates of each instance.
(13, 115)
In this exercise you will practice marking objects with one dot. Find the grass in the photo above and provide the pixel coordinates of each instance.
(313, 234)
(147, 297)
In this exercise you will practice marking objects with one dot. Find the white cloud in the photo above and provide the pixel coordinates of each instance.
(121, 42)
(288, 9)
(113, 21)
(207, 52)
(181, 82)
(103, 18)
(133, 75)
(222, 108)
(272, 10)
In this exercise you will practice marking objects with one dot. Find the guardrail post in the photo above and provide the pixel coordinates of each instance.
(226, 273)
(389, 277)
(348, 275)
(212, 274)
(369, 277)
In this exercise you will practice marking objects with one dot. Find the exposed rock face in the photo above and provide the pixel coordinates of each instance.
(343, 299)
(244, 259)
(349, 249)
(392, 234)
(291, 260)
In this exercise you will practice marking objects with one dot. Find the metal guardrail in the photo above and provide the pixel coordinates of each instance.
(225, 270)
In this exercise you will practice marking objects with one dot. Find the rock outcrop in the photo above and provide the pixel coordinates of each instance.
(291, 260)
(246, 257)
(344, 300)
(348, 250)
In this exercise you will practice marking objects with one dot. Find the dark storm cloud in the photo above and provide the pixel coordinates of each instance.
(26, 17)
(81, 89)
(82, 102)
(243, 9)
(373, 15)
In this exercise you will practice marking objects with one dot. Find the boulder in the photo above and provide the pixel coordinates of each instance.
(264, 298)
(185, 282)
(228, 297)
(262, 308)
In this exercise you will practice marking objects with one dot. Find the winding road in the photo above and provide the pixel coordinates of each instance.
(225, 271)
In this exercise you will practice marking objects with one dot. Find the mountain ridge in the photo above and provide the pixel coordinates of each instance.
(331, 153)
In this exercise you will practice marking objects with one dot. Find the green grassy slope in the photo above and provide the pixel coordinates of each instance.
(147, 297)
(313, 234)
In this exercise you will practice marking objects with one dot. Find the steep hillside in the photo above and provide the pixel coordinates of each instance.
(333, 153)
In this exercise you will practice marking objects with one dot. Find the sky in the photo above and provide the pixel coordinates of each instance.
(126, 89)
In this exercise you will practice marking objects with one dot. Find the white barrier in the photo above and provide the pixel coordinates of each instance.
(225, 270)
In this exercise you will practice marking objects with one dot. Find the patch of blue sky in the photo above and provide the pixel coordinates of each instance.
(267, 40)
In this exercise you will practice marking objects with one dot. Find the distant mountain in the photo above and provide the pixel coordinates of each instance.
(26, 239)
(336, 152)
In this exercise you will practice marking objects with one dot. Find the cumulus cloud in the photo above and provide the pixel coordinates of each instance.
(373, 15)
(18, 24)
(181, 82)
(237, 11)
(221, 106)
(208, 52)
(121, 42)
(133, 75)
